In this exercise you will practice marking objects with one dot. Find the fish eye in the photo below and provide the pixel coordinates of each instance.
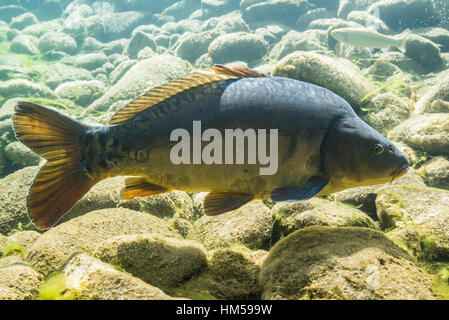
(378, 149)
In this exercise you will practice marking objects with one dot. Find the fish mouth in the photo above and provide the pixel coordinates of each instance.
(399, 173)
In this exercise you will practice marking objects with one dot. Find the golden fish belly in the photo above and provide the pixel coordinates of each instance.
(298, 160)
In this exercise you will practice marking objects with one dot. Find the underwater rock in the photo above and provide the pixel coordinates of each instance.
(386, 111)
(152, 6)
(438, 91)
(228, 23)
(426, 132)
(304, 20)
(24, 20)
(368, 20)
(284, 11)
(7, 110)
(404, 63)
(250, 225)
(111, 26)
(120, 70)
(91, 61)
(139, 41)
(157, 260)
(18, 282)
(342, 263)
(142, 76)
(424, 207)
(402, 14)
(435, 173)
(82, 92)
(326, 23)
(310, 40)
(338, 75)
(57, 41)
(182, 27)
(231, 273)
(362, 57)
(345, 7)
(424, 51)
(37, 30)
(11, 260)
(55, 247)
(25, 45)
(191, 46)
(213, 8)
(25, 238)
(439, 36)
(115, 46)
(87, 278)
(8, 12)
(381, 70)
(58, 73)
(25, 88)
(364, 198)
(20, 155)
(238, 46)
(165, 205)
(180, 10)
(289, 217)
(92, 45)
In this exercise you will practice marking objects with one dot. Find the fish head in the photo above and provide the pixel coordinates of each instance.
(354, 154)
(340, 34)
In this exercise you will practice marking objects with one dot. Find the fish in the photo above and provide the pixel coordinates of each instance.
(369, 38)
(323, 146)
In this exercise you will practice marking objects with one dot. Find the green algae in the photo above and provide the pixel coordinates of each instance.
(55, 288)
(12, 248)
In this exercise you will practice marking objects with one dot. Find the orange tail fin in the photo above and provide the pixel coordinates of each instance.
(61, 182)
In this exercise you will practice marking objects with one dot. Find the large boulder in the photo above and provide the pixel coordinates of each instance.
(24, 88)
(309, 40)
(231, 273)
(425, 207)
(289, 217)
(250, 225)
(435, 173)
(24, 20)
(337, 75)
(193, 45)
(342, 263)
(58, 73)
(19, 282)
(386, 111)
(82, 92)
(83, 234)
(57, 41)
(87, 278)
(438, 91)
(142, 76)
(424, 51)
(24, 44)
(403, 14)
(158, 260)
(284, 11)
(426, 132)
(238, 46)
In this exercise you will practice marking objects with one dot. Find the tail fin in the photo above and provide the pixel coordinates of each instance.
(61, 182)
(402, 37)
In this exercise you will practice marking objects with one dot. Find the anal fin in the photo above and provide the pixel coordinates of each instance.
(217, 202)
(315, 185)
(139, 187)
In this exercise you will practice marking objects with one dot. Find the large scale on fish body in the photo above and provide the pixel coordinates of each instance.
(323, 146)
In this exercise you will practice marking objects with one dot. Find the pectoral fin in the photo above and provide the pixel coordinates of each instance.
(217, 202)
(139, 187)
(310, 190)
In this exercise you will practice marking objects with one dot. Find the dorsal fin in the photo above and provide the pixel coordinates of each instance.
(165, 91)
